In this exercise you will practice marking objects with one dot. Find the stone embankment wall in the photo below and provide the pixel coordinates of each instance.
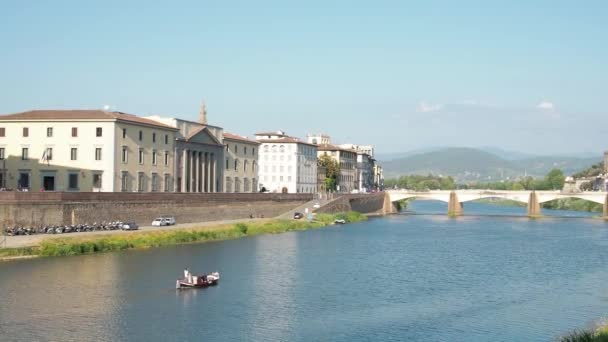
(369, 204)
(54, 208)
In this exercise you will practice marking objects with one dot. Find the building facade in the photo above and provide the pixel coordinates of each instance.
(241, 165)
(286, 164)
(199, 154)
(85, 150)
(347, 159)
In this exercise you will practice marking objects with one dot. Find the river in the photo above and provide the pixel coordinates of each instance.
(484, 277)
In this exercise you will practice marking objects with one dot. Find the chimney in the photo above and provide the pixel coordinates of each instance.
(202, 115)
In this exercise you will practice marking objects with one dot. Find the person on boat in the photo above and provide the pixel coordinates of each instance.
(186, 273)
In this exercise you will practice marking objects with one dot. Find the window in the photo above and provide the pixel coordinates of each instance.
(49, 132)
(253, 151)
(74, 131)
(124, 133)
(125, 154)
(236, 165)
(155, 183)
(24, 180)
(98, 153)
(140, 181)
(1, 153)
(141, 135)
(98, 132)
(227, 163)
(166, 140)
(245, 166)
(73, 181)
(245, 150)
(167, 183)
(74, 153)
(2, 131)
(153, 157)
(236, 149)
(141, 156)
(166, 158)
(97, 180)
(153, 137)
(124, 181)
(24, 153)
(26, 131)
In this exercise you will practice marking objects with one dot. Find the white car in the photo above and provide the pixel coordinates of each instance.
(316, 206)
(169, 219)
(160, 221)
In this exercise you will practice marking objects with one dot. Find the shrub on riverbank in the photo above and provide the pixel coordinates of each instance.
(598, 335)
(118, 242)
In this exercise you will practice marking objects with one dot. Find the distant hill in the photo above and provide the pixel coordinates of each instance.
(470, 164)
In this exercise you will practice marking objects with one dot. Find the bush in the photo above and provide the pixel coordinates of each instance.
(242, 228)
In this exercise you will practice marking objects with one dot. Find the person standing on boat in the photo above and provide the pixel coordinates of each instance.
(186, 273)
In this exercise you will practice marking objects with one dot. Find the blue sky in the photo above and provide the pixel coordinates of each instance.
(402, 75)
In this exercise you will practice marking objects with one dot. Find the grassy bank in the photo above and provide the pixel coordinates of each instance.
(99, 243)
(592, 335)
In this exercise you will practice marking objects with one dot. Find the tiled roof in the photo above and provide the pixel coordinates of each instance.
(238, 137)
(42, 115)
(329, 147)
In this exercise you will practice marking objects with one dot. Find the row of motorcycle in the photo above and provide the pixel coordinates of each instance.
(62, 229)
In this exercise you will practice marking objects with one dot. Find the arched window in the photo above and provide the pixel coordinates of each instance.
(236, 165)
(266, 148)
(282, 148)
(274, 148)
(245, 167)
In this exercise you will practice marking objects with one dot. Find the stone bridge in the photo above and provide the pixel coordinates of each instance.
(533, 199)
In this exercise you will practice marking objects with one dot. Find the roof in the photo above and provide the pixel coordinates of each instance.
(280, 134)
(81, 114)
(285, 141)
(198, 131)
(329, 147)
(231, 136)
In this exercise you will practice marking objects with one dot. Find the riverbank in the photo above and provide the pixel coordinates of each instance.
(574, 204)
(137, 240)
(599, 334)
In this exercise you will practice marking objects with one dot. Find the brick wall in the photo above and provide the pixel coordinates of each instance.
(371, 204)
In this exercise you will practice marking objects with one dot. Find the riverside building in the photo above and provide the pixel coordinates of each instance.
(85, 150)
(286, 164)
(199, 152)
(241, 169)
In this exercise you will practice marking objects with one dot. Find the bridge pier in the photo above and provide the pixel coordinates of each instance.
(605, 211)
(454, 205)
(533, 205)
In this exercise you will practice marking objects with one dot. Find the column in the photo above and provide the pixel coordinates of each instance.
(199, 172)
(192, 171)
(184, 170)
(213, 186)
(533, 205)
(207, 171)
(195, 178)
(454, 206)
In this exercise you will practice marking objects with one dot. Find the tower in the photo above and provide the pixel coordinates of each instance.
(202, 115)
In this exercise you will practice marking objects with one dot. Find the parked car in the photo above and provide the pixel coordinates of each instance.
(316, 205)
(297, 216)
(169, 219)
(130, 226)
(159, 221)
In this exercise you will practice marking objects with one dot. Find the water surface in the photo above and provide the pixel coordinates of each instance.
(398, 278)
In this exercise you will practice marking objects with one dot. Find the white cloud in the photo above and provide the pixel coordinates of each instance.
(424, 107)
(545, 105)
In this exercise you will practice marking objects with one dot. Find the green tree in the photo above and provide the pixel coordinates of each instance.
(554, 180)
(332, 171)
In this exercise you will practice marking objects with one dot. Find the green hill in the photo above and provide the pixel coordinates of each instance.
(470, 164)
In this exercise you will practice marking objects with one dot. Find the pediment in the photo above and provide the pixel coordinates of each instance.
(203, 136)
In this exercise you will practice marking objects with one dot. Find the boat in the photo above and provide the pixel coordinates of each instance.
(195, 281)
(339, 221)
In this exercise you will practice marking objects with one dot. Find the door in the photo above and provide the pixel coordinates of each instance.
(48, 182)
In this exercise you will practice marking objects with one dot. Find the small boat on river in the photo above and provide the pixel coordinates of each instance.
(192, 281)
(339, 221)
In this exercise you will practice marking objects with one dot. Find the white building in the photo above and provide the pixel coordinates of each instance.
(85, 150)
(286, 164)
